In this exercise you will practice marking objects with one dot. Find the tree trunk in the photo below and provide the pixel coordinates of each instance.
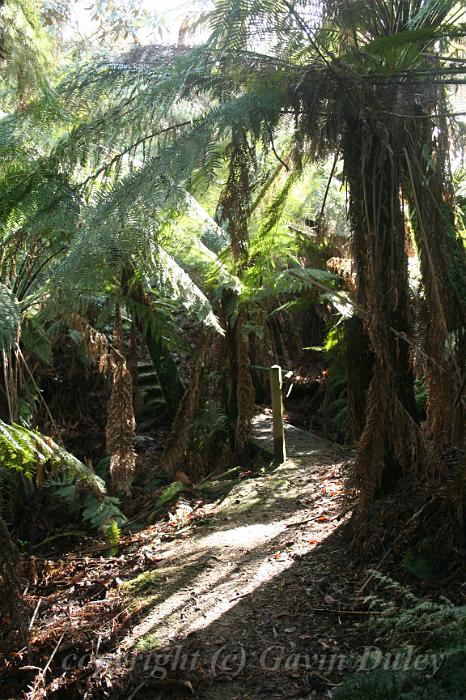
(371, 167)
(443, 266)
(359, 363)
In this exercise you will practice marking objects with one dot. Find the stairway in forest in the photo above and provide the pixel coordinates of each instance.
(152, 405)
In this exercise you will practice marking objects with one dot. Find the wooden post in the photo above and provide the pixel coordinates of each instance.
(277, 410)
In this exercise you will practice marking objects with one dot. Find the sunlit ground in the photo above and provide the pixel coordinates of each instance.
(247, 546)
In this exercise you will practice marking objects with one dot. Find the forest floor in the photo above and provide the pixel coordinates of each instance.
(247, 592)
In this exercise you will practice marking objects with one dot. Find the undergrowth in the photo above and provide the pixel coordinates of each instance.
(416, 632)
(27, 457)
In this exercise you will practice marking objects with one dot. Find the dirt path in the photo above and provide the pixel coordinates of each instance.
(248, 602)
(252, 598)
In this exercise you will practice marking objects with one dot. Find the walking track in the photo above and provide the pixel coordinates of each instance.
(246, 605)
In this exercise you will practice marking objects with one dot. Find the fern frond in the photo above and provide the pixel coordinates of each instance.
(9, 318)
(38, 457)
(24, 48)
(169, 278)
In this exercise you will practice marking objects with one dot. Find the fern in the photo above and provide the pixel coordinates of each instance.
(433, 629)
(35, 339)
(25, 48)
(103, 513)
(9, 318)
(112, 532)
(40, 458)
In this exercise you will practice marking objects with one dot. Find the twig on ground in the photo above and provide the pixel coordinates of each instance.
(339, 516)
(39, 682)
(349, 612)
(59, 535)
(34, 615)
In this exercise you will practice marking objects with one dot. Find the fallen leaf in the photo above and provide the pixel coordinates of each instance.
(280, 556)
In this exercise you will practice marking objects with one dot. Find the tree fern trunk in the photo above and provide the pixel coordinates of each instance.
(121, 423)
(359, 362)
(233, 213)
(443, 266)
(245, 394)
(178, 440)
(371, 168)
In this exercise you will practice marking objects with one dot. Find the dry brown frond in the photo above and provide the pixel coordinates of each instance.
(178, 440)
(121, 423)
(94, 342)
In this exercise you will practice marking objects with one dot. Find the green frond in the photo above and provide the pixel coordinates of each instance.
(35, 340)
(9, 318)
(38, 457)
(168, 278)
(210, 233)
(25, 450)
(24, 49)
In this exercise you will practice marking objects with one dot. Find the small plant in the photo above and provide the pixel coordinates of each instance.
(112, 533)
